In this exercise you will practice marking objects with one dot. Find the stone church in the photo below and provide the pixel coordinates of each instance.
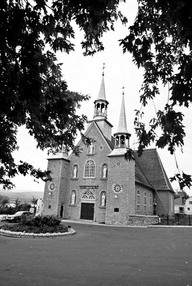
(103, 184)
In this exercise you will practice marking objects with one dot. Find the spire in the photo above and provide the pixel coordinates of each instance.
(101, 94)
(122, 127)
(122, 135)
(100, 104)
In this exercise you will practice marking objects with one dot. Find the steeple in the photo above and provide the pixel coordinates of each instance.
(100, 104)
(122, 135)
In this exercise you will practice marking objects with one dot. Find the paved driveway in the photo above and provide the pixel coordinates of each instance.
(100, 255)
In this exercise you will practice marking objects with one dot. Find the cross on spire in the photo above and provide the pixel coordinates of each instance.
(103, 68)
(123, 89)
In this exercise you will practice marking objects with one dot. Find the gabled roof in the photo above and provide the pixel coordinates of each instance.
(151, 167)
(107, 141)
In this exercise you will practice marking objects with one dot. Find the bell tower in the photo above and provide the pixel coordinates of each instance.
(121, 177)
(101, 104)
(122, 135)
(100, 110)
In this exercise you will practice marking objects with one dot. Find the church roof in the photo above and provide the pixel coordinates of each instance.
(140, 176)
(122, 127)
(150, 165)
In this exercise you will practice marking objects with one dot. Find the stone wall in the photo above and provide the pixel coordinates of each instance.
(142, 220)
(122, 203)
(81, 184)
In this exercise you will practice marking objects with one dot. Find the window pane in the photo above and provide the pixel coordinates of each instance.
(90, 169)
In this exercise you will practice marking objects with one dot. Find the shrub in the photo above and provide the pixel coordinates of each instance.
(38, 224)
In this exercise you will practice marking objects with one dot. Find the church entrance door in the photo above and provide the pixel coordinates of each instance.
(87, 211)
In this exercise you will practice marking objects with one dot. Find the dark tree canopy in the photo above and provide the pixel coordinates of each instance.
(160, 41)
(33, 92)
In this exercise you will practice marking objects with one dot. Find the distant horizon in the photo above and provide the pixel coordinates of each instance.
(21, 191)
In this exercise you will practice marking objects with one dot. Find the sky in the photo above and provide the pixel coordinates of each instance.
(83, 75)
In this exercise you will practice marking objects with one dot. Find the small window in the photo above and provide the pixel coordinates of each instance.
(73, 197)
(49, 206)
(190, 202)
(104, 171)
(145, 201)
(181, 210)
(75, 172)
(138, 200)
(188, 209)
(103, 199)
(150, 202)
(116, 210)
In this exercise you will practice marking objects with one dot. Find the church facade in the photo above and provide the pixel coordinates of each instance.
(108, 183)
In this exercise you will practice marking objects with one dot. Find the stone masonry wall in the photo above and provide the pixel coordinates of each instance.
(142, 220)
(100, 157)
(52, 198)
(119, 205)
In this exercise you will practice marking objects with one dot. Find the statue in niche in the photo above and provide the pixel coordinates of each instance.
(91, 148)
(103, 200)
(75, 171)
(104, 174)
(73, 198)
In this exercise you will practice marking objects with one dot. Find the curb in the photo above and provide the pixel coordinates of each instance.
(34, 235)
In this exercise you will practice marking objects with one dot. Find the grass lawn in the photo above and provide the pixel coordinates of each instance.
(100, 255)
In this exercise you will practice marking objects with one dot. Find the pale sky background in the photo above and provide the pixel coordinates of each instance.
(83, 75)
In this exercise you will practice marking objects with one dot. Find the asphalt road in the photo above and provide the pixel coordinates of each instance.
(100, 255)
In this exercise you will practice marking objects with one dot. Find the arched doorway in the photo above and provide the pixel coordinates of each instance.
(87, 205)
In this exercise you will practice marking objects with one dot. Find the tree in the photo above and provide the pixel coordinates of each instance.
(34, 201)
(4, 200)
(160, 41)
(32, 89)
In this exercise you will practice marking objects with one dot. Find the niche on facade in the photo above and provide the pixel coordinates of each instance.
(104, 171)
(75, 172)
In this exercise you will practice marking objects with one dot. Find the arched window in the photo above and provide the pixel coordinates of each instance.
(89, 169)
(73, 197)
(138, 200)
(122, 139)
(75, 171)
(145, 201)
(104, 171)
(103, 199)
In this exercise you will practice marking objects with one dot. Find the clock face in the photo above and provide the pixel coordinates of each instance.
(52, 186)
(117, 188)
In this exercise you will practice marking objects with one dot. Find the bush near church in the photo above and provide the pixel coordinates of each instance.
(38, 224)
